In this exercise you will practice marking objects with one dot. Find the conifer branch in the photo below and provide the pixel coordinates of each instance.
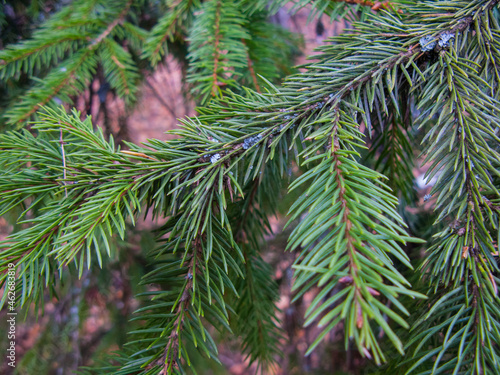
(71, 76)
(252, 71)
(216, 52)
(170, 25)
(461, 265)
(119, 69)
(66, 80)
(118, 20)
(215, 83)
(345, 220)
(344, 273)
(11, 55)
(213, 181)
(162, 40)
(338, 9)
(171, 354)
(374, 5)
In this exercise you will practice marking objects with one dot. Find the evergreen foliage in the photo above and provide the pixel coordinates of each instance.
(346, 123)
(63, 55)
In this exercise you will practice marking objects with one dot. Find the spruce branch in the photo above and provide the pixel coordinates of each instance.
(78, 36)
(85, 204)
(65, 32)
(461, 266)
(27, 56)
(119, 69)
(353, 10)
(252, 71)
(194, 291)
(171, 352)
(118, 20)
(64, 81)
(167, 29)
(297, 114)
(333, 201)
(350, 237)
(216, 50)
(374, 5)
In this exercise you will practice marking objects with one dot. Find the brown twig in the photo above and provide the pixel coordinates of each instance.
(375, 5)
(63, 160)
(171, 349)
(216, 50)
(138, 154)
(252, 70)
(122, 73)
(111, 26)
(351, 249)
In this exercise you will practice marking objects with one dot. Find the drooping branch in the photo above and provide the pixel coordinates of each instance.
(171, 353)
(66, 80)
(216, 53)
(118, 20)
(375, 5)
(252, 70)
